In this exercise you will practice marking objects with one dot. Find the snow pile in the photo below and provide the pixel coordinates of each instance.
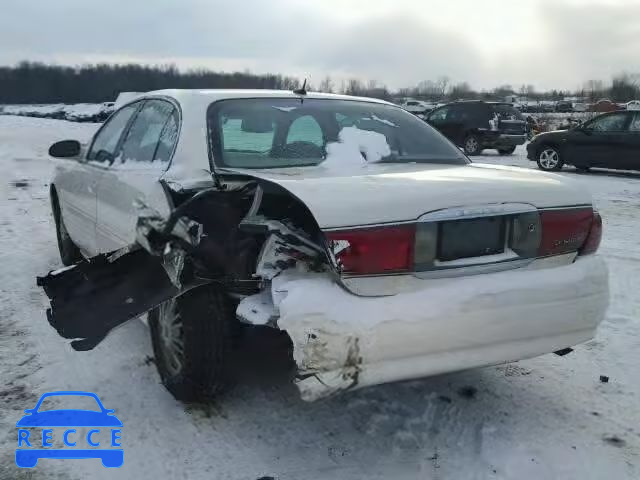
(356, 147)
(81, 112)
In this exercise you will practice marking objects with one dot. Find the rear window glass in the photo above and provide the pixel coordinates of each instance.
(507, 112)
(277, 132)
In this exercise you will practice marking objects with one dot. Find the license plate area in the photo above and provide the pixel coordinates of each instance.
(478, 237)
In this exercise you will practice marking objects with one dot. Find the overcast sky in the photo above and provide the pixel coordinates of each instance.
(547, 43)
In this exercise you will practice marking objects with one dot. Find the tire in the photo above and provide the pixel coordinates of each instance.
(549, 159)
(472, 145)
(191, 338)
(507, 151)
(69, 252)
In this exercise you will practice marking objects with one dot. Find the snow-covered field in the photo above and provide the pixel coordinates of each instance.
(74, 112)
(546, 418)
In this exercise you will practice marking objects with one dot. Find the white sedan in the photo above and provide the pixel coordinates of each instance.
(349, 224)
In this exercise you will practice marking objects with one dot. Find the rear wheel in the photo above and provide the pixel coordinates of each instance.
(549, 159)
(507, 151)
(472, 145)
(69, 252)
(191, 342)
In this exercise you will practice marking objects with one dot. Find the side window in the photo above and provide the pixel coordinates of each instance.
(457, 113)
(105, 143)
(609, 123)
(168, 138)
(635, 123)
(439, 115)
(143, 138)
(305, 129)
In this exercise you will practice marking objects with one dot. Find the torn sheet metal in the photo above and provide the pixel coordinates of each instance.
(284, 249)
(97, 295)
(153, 231)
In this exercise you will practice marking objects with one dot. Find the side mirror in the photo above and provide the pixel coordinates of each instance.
(65, 149)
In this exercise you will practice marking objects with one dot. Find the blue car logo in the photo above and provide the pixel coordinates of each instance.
(27, 455)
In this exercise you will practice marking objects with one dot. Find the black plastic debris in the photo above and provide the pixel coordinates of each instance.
(563, 352)
(97, 295)
(604, 379)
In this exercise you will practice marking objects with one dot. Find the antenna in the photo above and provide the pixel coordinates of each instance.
(302, 90)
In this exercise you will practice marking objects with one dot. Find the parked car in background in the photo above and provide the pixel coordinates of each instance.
(564, 106)
(580, 107)
(348, 224)
(611, 140)
(633, 105)
(603, 105)
(418, 107)
(476, 125)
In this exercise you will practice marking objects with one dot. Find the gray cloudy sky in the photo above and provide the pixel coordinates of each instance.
(547, 43)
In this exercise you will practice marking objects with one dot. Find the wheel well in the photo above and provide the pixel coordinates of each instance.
(542, 146)
(471, 133)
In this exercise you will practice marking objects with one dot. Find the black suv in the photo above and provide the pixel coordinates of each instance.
(476, 125)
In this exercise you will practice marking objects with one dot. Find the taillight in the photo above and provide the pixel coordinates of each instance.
(375, 250)
(595, 235)
(565, 231)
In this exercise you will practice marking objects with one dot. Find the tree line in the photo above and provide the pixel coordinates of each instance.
(31, 82)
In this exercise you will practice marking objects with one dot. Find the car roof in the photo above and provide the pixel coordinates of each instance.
(212, 95)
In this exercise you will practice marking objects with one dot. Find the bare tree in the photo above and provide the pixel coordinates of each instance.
(442, 84)
(594, 89)
(326, 85)
(462, 91)
(354, 87)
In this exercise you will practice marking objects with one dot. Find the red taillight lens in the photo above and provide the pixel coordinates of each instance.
(565, 231)
(595, 235)
(375, 250)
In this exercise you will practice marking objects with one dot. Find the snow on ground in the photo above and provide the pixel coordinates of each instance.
(75, 112)
(546, 418)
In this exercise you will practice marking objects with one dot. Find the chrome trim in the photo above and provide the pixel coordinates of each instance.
(477, 211)
(477, 269)
(369, 225)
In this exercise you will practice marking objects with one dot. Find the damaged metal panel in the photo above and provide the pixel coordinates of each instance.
(94, 296)
(171, 255)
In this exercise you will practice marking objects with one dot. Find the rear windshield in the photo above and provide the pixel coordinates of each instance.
(507, 112)
(272, 132)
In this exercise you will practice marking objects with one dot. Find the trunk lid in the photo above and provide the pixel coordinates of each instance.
(386, 193)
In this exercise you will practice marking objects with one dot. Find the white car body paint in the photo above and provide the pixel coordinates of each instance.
(384, 193)
(342, 340)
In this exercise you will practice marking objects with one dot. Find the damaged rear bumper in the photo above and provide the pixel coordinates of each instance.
(342, 341)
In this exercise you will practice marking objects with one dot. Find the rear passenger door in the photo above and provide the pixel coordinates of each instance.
(631, 152)
(600, 143)
(133, 177)
(77, 182)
